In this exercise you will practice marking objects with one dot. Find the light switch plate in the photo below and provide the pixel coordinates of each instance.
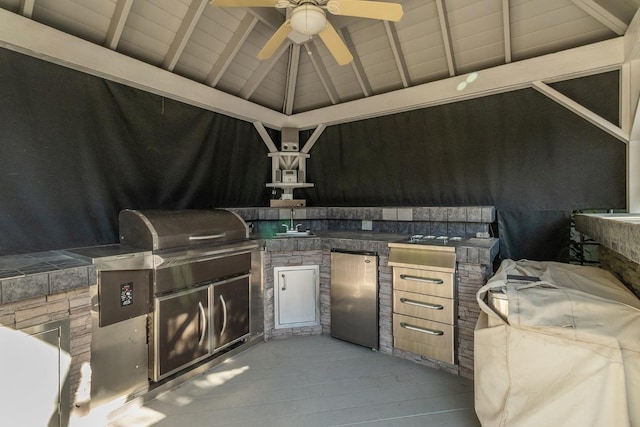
(367, 224)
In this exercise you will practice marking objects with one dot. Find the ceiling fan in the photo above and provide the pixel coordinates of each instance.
(308, 17)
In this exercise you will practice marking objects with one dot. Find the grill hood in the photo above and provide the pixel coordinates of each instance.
(168, 229)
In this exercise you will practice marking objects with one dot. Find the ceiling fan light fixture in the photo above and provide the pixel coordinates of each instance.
(308, 19)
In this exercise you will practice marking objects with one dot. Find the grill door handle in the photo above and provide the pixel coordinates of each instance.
(422, 330)
(421, 279)
(284, 282)
(208, 236)
(224, 315)
(203, 323)
(422, 304)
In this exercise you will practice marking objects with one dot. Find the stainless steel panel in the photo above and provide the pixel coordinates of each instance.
(424, 282)
(181, 276)
(230, 311)
(424, 337)
(160, 229)
(441, 259)
(427, 307)
(180, 333)
(119, 359)
(123, 295)
(354, 298)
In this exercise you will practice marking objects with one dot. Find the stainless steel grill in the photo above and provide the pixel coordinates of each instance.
(201, 282)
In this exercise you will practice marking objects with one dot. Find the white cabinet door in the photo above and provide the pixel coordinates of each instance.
(296, 297)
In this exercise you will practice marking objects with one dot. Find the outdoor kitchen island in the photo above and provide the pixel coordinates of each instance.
(338, 228)
(52, 288)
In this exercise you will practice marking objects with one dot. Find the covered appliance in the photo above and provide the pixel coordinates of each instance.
(556, 343)
(201, 282)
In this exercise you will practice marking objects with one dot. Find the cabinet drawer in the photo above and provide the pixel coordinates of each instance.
(424, 306)
(424, 337)
(423, 282)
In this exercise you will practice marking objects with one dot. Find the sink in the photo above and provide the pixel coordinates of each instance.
(294, 233)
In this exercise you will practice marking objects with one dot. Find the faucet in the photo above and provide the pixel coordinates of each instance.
(290, 227)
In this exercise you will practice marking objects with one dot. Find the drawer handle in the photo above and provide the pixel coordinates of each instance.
(422, 304)
(419, 329)
(421, 279)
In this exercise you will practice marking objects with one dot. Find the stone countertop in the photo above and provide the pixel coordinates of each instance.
(37, 274)
(473, 250)
(31, 275)
(619, 232)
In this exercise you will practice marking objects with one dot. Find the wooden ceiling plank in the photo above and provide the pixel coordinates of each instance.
(313, 138)
(602, 15)
(581, 111)
(118, 20)
(231, 49)
(356, 64)
(506, 24)
(292, 79)
(398, 56)
(446, 37)
(261, 72)
(322, 72)
(26, 8)
(183, 34)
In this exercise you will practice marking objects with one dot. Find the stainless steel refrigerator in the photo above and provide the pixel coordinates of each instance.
(354, 297)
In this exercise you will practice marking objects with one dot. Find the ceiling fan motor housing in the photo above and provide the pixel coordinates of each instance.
(308, 19)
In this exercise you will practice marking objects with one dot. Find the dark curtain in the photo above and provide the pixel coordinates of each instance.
(517, 150)
(76, 149)
(534, 235)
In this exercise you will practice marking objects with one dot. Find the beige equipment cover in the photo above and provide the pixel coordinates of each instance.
(563, 350)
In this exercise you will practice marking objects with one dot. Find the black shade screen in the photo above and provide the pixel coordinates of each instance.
(76, 149)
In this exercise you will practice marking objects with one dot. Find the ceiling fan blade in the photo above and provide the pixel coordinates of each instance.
(275, 41)
(336, 46)
(243, 3)
(366, 9)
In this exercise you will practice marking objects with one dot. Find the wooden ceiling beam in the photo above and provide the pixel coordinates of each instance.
(602, 15)
(581, 111)
(183, 35)
(116, 26)
(261, 72)
(292, 79)
(268, 16)
(446, 37)
(356, 64)
(577, 62)
(26, 8)
(506, 25)
(321, 71)
(231, 49)
(398, 56)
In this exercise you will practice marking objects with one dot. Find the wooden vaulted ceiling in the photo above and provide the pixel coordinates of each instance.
(435, 41)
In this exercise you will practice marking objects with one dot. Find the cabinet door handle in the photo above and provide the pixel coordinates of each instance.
(421, 279)
(203, 323)
(419, 329)
(284, 282)
(224, 315)
(422, 304)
